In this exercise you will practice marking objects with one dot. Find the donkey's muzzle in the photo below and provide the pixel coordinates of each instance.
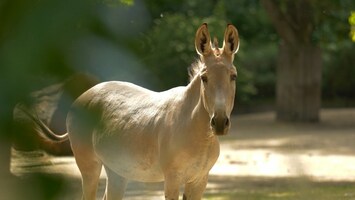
(220, 124)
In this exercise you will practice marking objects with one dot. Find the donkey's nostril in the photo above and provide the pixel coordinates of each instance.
(213, 121)
(227, 122)
(219, 124)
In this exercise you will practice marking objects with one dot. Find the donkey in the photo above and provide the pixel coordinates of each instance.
(171, 136)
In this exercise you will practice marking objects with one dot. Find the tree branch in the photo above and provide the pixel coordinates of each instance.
(278, 19)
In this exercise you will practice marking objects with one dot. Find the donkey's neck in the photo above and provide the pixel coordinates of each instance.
(199, 117)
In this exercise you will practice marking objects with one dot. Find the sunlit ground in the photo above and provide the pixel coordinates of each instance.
(260, 159)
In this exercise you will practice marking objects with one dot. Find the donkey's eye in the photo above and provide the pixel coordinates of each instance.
(233, 77)
(204, 78)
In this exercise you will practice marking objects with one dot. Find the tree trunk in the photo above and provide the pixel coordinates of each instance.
(299, 68)
(298, 87)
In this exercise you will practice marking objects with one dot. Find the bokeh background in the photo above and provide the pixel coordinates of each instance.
(60, 48)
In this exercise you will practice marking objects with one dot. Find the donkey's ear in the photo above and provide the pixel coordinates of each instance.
(231, 40)
(203, 41)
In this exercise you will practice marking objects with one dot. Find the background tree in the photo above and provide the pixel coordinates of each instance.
(300, 25)
(299, 67)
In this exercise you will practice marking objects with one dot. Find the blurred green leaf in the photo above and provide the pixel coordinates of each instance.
(352, 25)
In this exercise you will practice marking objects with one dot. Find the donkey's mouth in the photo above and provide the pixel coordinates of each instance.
(221, 133)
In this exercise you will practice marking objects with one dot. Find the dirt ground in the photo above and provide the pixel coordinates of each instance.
(260, 159)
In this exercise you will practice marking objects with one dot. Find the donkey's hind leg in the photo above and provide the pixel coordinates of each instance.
(90, 169)
(116, 185)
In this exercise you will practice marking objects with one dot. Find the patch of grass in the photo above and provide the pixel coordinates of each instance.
(284, 189)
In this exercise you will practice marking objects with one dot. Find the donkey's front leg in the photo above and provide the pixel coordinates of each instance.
(194, 190)
(171, 187)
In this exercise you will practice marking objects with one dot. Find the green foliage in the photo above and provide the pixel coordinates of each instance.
(43, 38)
(260, 63)
(334, 31)
(45, 42)
(169, 47)
(339, 72)
(352, 25)
(257, 57)
(331, 21)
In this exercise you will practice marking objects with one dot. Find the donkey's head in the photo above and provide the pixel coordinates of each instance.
(218, 76)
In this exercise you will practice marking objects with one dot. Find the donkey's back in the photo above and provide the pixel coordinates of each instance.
(119, 125)
(121, 105)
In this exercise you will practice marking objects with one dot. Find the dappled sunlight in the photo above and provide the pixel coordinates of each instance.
(268, 163)
(258, 146)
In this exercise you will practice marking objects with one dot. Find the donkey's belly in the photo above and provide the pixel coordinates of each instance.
(132, 158)
(133, 170)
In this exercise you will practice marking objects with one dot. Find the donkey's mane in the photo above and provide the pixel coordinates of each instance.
(195, 69)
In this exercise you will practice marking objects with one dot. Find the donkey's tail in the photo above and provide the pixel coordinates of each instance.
(43, 130)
